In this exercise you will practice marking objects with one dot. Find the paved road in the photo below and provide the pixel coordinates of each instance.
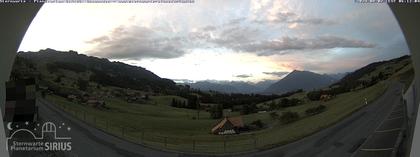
(342, 139)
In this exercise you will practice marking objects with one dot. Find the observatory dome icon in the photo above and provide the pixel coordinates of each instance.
(49, 128)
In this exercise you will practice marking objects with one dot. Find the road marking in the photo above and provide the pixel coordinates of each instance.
(396, 112)
(389, 130)
(378, 149)
(396, 118)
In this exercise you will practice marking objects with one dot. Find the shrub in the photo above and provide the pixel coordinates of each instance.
(315, 110)
(285, 102)
(258, 123)
(288, 117)
(314, 95)
(274, 115)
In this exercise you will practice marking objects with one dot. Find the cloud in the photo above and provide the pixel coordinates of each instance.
(280, 46)
(290, 17)
(243, 76)
(276, 73)
(235, 21)
(135, 42)
(285, 12)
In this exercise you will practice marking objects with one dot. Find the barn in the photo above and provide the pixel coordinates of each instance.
(228, 125)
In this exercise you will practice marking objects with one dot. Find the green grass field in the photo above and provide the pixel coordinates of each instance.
(159, 125)
(156, 123)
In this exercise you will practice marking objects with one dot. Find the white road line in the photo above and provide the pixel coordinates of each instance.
(389, 130)
(396, 118)
(378, 149)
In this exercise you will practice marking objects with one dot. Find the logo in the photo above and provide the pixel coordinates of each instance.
(31, 137)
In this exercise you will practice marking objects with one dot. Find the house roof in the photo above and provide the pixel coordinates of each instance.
(235, 121)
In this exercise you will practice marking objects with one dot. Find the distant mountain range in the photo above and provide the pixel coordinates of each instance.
(305, 80)
(231, 86)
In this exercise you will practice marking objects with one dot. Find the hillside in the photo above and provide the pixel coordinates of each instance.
(305, 80)
(50, 63)
(372, 73)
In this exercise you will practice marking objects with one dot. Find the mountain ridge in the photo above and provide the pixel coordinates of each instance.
(103, 71)
(295, 80)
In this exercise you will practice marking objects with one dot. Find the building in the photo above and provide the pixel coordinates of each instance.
(21, 104)
(325, 97)
(228, 125)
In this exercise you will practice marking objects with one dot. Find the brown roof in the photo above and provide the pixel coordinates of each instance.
(235, 121)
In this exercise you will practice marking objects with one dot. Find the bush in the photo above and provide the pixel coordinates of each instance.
(314, 95)
(315, 110)
(288, 117)
(82, 84)
(248, 109)
(258, 123)
(274, 115)
(285, 102)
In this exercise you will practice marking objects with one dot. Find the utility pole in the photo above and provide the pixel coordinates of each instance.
(198, 107)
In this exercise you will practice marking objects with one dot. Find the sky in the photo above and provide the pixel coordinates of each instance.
(236, 40)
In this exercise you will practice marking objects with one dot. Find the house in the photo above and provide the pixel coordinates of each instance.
(71, 97)
(96, 103)
(325, 97)
(228, 125)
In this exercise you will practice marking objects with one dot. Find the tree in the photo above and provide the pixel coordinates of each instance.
(173, 103)
(314, 95)
(82, 84)
(216, 111)
(258, 123)
(273, 105)
(274, 115)
(58, 79)
(248, 109)
(315, 110)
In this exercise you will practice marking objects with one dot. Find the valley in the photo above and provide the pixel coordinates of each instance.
(136, 105)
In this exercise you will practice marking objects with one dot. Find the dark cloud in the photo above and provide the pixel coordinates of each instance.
(251, 39)
(290, 17)
(232, 37)
(243, 76)
(279, 46)
(209, 28)
(276, 73)
(136, 42)
(236, 21)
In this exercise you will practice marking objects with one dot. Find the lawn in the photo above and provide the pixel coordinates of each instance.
(157, 123)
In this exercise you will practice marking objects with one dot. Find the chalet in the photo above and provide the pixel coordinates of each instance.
(71, 97)
(96, 103)
(228, 125)
(325, 97)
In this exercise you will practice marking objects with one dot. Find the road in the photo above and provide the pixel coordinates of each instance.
(342, 139)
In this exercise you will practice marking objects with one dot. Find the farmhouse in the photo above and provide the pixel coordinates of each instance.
(228, 125)
(71, 97)
(96, 103)
(325, 97)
